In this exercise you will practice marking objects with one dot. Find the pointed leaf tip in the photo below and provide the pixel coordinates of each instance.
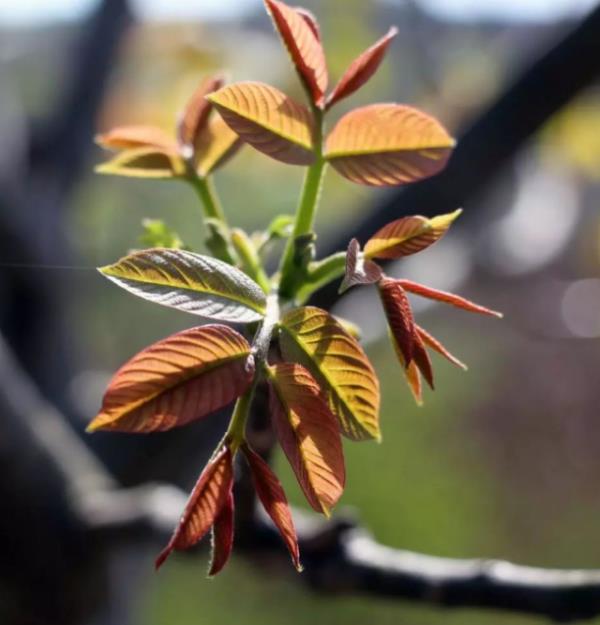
(388, 145)
(300, 36)
(268, 120)
(359, 270)
(361, 69)
(222, 537)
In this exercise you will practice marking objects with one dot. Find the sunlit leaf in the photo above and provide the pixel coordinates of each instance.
(433, 343)
(272, 496)
(311, 20)
(421, 358)
(222, 537)
(177, 380)
(447, 298)
(268, 120)
(157, 234)
(387, 145)
(399, 315)
(196, 284)
(215, 146)
(299, 32)
(313, 337)
(195, 115)
(308, 433)
(361, 69)
(411, 373)
(352, 328)
(408, 235)
(206, 501)
(128, 137)
(359, 270)
(143, 163)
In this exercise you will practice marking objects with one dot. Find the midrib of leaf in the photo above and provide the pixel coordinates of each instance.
(393, 242)
(388, 150)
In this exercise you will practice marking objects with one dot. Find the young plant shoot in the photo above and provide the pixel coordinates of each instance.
(321, 384)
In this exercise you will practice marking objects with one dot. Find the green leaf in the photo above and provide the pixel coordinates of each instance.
(190, 282)
(157, 234)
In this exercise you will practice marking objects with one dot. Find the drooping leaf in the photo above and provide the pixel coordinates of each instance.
(131, 137)
(215, 146)
(421, 358)
(195, 115)
(411, 373)
(361, 69)
(313, 338)
(206, 501)
(143, 163)
(308, 434)
(157, 234)
(359, 270)
(399, 315)
(388, 145)
(272, 496)
(433, 343)
(222, 537)
(268, 120)
(447, 298)
(408, 235)
(190, 282)
(177, 380)
(299, 33)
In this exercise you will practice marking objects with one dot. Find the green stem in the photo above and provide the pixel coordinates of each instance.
(321, 273)
(305, 214)
(249, 258)
(205, 189)
(236, 432)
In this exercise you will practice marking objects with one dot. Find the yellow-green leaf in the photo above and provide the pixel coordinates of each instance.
(128, 137)
(388, 145)
(268, 120)
(408, 235)
(215, 146)
(313, 338)
(144, 163)
(177, 380)
(190, 282)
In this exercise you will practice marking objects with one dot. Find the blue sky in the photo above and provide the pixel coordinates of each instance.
(32, 11)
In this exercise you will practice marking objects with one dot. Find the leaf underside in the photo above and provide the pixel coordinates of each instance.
(147, 162)
(138, 136)
(313, 338)
(359, 270)
(222, 537)
(215, 146)
(190, 282)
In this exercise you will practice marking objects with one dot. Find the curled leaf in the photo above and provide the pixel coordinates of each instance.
(388, 145)
(359, 270)
(222, 537)
(299, 32)
(268, 120)
(399, 316)
(313, 338)
(448, 298)
(272, 496)
(206, 502)
(177, 380)
(143, 163)
(308, 434)
(408, 235)
(433, 343)
(190, 282)
(195, 115)
(128, 137)
(215, 146)
(361, 69)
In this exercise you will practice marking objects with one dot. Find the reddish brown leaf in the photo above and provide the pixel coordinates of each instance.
(411, 373)
(361, 69)
(177, 380)
(434, 344)
(215, 146)
(206, 502)
(298, 35)
(222, 537)
(147, 162)
(399, 316)
(447, 298)
(408, 235)
(421, 358)
(127, 137)
(311, 20)
(195, 115)
(308, 433)
(388, 145)
(268, 120)
(358, 269)
(272, 496)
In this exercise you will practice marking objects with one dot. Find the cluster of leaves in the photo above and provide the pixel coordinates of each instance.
(321, 383)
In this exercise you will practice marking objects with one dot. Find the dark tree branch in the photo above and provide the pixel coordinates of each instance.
(491, 141)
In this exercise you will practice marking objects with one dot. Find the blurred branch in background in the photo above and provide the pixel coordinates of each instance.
(67, 512)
